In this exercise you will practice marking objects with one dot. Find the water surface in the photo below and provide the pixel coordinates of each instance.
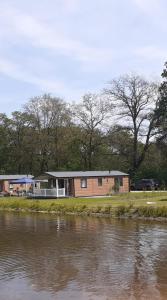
(48, 257)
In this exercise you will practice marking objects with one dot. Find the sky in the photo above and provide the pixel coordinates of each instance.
(71, 47)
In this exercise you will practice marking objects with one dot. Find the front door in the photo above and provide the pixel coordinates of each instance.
(69, 187)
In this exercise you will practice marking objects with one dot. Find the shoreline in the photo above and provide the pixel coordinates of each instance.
(127, 206)
(113, 214)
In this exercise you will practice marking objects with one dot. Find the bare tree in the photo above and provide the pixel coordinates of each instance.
(91, 115)
(135, 99)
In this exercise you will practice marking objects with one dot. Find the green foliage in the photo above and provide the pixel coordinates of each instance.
(152, 204)
(135, 99)
(49, 135)
(121, 211)
(161, 110)
(153, 212)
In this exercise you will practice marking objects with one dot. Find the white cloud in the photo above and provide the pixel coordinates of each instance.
(16, 72)
(155, 10)
(70, 6)
(151, 52)
(20, 27)
(149, 6)
(72, 46)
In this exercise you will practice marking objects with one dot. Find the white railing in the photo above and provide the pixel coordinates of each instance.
(61, 192)
(49, 192)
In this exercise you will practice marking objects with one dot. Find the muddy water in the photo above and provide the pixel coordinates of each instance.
(48, 257)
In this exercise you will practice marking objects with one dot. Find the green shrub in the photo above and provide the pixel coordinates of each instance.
(106, 209)
(120, 211)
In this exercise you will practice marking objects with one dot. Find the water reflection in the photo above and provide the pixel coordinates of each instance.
(49, 257)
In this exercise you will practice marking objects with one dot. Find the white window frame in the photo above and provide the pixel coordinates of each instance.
(83, 183)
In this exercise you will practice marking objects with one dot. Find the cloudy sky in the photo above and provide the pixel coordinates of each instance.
(70, 47)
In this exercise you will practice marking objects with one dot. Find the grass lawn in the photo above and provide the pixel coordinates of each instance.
(147, 204)
(135, 198)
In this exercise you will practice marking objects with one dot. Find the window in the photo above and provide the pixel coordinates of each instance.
(11, 186)
(118, 181)
(83, 182)
(100, 182)
(121, 181)
(61, 183)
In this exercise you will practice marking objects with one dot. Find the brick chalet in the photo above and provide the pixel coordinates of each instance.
(80, 183)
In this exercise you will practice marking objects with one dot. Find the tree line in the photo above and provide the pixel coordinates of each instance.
(124, 127)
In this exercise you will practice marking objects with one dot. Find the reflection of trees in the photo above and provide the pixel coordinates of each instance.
(146, 248)
(146, 258)
(44, 248)
(118, 259)
(160, 265)
(127, 260)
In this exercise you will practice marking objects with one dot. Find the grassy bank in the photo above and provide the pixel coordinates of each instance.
(143, 204)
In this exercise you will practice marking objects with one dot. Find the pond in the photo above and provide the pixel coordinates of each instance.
(44, 257)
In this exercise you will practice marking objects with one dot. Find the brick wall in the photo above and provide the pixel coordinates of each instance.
(125, 187)
(94, 190)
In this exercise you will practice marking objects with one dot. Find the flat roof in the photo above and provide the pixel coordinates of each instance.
(68, 174)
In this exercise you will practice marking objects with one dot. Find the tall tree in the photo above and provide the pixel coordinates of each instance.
(5, 142)
(50, 117)
(119, 141)
(161, 110)
(91, 115)
(135, 100)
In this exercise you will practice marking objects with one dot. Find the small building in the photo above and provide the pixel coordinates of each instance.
(81, 184)
(6, 185)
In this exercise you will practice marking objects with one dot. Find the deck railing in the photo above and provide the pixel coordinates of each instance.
(49, 192)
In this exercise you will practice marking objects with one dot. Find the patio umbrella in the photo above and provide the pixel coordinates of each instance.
(24, 180)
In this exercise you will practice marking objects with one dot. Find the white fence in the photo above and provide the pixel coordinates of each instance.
(49, 192)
